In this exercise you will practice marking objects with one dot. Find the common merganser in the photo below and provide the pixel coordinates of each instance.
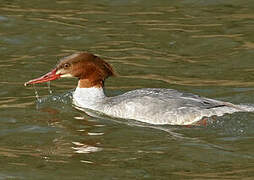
(149, 105)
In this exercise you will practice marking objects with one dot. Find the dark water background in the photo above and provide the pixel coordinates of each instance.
(198, 46)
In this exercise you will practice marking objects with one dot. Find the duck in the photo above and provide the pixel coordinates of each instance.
(158, 106)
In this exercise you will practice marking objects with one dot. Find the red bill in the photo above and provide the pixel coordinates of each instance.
(45, 78)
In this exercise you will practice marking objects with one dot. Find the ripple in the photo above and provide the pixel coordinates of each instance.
(192, 81)
(173, 29)
(8, 120)
(3, 18)
(218, 35)
(95, 134)
(248, 45)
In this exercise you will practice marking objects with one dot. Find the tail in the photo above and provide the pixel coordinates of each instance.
(245, 107)
(228, 108)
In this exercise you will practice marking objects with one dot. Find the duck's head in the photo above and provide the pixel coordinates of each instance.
(88, 68)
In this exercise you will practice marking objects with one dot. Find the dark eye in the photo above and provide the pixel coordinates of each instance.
(66, 65)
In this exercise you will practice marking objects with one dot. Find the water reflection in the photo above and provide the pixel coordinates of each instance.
(84, 148)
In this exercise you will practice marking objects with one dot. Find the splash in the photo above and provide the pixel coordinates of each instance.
(59, 100)
(62, 98)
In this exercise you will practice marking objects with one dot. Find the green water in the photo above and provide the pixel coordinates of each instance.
(197, 46)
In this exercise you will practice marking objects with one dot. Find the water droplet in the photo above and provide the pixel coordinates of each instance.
(49, 89)
(36, 93)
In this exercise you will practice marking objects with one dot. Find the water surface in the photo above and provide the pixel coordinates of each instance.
(202, 47)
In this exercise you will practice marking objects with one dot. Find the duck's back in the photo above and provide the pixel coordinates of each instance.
(165, 106)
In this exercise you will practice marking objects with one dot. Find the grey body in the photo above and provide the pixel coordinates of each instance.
(159, 106)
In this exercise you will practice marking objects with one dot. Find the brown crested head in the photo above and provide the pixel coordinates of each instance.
(90, 69)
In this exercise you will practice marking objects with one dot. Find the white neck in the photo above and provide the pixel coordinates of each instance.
(88, 97)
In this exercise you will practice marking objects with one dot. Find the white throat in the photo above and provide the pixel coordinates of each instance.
(88, 97)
